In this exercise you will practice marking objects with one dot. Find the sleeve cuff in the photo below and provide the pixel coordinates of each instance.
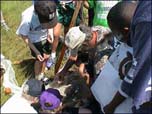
(123, 93)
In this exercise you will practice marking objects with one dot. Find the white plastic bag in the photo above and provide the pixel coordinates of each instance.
(9, 80)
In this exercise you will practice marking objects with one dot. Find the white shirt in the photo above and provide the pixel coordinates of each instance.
(31, 27)
(108, 82)
(119, 54)
(17, 104)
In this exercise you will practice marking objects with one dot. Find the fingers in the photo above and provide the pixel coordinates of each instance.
(40, 58)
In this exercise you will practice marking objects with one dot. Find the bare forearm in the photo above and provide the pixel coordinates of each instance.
(86, 4)
(55, 44)
(118, 99)
(68, 65)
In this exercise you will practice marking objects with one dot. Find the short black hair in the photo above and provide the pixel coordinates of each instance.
(121, 14)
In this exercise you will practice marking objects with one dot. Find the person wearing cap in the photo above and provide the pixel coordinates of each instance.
(32, 89)
(65, 10)
(36, 20)
(51, 102)
(24, 101)
(82, 40)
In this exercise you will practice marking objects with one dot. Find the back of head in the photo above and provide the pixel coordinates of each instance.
(121, 14)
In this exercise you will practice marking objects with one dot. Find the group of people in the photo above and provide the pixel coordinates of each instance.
(126, 23)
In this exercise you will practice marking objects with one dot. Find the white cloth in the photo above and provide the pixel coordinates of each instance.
(17, 104)
(106, 86)
(119, 54)
(31, 27)
(108, 81)
(9, 79)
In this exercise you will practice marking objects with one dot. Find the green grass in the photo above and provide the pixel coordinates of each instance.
(13, 47)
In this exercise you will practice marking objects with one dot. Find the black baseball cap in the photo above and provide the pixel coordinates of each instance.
(35, 87)
(46, 11)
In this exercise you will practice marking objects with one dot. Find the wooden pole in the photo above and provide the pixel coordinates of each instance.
(63, 49)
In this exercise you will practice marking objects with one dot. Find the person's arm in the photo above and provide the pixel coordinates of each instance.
(56, 35)
(72, 59)
(84, 73)
(123, 92)
(31, 46)
(68, 65)
(118, 99)
(86, 4)
(23, 31)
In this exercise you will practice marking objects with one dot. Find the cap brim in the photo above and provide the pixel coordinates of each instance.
(50, 24)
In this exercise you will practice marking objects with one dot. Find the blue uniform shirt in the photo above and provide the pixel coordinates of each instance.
(138, 82)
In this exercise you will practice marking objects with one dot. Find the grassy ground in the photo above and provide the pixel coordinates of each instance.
(12, 47)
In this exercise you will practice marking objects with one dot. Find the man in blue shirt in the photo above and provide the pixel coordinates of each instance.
(137, 83)
(141, 42)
